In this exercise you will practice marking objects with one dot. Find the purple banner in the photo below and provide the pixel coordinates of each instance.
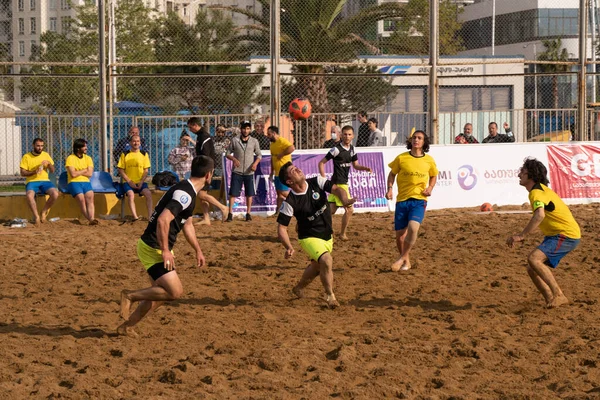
(368, 189)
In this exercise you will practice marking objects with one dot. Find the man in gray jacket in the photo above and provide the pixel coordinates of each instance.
(244, 153)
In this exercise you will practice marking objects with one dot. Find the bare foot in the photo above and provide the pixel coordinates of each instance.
(343, 237)
(558, 301)
(332, 302)
(298, 291)
(36, 222)
(94, 222)
(126, 330)
(44, 215)
(401, 265)
(205, 221)
(125, 304)
(225, 213)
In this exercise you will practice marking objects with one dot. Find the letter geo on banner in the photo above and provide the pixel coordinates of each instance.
(575, 171)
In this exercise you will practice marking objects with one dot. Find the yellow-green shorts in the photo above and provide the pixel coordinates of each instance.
(149, 256)
(332, 198)
(316, 247)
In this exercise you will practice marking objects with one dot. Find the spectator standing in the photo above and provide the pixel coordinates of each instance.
(180, 157)
(80, 168)
(35, 166)
(375, 135)
(495, 137)
(363, 130)
(281, 153)
(221, 145)
(259, 134)
(244, 153)
(466, 137)
(335, 137)
(123, 143)
(133, 168)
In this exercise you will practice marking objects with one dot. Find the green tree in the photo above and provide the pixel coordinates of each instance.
(201, 88)
(411, 35)
(554, 52)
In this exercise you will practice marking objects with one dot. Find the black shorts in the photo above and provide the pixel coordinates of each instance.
(157, 270)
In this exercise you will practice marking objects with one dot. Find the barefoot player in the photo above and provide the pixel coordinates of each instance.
(556, 222)
(307, 201)
(343, 157)
(172, 214)
(417, 175)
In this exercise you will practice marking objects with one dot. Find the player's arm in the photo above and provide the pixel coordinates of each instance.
(162, 235)
(190, 235)
(74, 173)
(390, 185)
(322, 166)
(282, 233)
(359, 167)
(125, 177)
(25, 172)
(288, 150)
(534, 222)
(429, 188)
(50, 167)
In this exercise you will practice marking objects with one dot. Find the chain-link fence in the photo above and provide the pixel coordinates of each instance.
(513, 62)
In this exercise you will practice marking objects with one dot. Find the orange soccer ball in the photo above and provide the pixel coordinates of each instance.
(300, 109)
(486, 207)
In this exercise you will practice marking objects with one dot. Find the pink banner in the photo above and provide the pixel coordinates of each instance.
(575, 170)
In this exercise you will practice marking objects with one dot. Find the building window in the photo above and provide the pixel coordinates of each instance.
(389, 25)
(33, 25)
(65, 24)
(52, 4)
(32, 5)
(21, 48)
(21, 26)
(21, 5)
(65, 5)
(52, 27)
(33, 46)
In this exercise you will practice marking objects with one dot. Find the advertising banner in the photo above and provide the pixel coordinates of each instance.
(575, 170)
(368, 188)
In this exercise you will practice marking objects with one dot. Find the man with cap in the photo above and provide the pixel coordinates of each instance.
(180, 158)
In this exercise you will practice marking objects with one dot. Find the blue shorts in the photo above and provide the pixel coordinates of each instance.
(40, 186)
(76, 188)
(236, 185)
(127, 188)
(280, 186)
(556, 247)
(409, 210)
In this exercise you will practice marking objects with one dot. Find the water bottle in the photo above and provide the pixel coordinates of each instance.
(54, 219)
(18, 225)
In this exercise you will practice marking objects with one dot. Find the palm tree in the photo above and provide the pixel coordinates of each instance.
(314, 31)
(554, 52)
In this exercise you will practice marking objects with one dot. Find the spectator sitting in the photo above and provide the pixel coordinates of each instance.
(375, 135)
(133, 168)
(467, 136)
(259, 134)
(80, 168)
(495, 137)
(180, 157)
(35, 166)
(335, 137)
(123, 143)
(362, 139)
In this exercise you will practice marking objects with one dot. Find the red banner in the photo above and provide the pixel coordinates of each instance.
(575, 170)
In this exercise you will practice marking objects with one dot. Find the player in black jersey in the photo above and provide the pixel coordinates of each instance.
(172, 214)
(307, 201)
(343, 156)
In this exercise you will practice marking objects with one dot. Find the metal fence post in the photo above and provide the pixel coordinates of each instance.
(581, 120)
(433, 61)
(275, 50)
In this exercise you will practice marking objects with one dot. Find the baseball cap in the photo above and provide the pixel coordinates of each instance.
(245, 124)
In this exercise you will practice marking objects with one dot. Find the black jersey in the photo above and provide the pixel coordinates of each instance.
(310, 209)
(342, 160)
(181, 201)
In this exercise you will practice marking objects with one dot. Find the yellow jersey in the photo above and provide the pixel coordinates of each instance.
(277, 147)
(79, 164)
(558, 219)
(412, 175)
(31, 162)
(134, 163)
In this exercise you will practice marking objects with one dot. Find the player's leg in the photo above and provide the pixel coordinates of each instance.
(235, 190)
(131, 203)
(52, 197)
(80, 199)
(30, 197)
(326, 274)
(401, 214)
(415, 213)
(544, 280)
(148, 196)
(310, 273)
(250, 192)
(91, 209)
(348, 211)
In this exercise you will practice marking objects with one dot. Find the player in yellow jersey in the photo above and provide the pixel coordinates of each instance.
(80, 168)
(133, 168)
(556, 222)
(281, 153)
(35, 166)
(416, 174)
